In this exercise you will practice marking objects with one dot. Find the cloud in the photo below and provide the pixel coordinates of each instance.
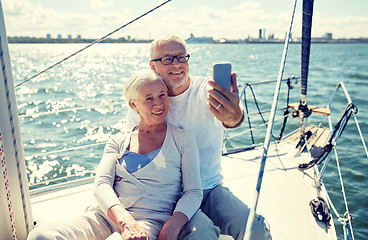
(26, 19)
(15, 7)
(101, 4)
(236, 22)
(233, 22)
(341, 27)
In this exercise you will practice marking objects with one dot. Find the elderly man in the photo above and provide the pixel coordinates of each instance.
(205, 108)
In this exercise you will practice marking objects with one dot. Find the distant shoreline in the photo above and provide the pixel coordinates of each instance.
(25, 40)
(72, 40)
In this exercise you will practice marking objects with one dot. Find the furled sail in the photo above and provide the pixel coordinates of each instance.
(306, 42)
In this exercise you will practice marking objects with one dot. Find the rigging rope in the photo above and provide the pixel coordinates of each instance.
(66, 150)
(286, 112)
(286, 109)
(260, 113)
(13, 135)
(342, 85)
(94, 42)
(110, 105)
(350, 110)
(254, 128)
(347, 217)
(45, 182)
(339, 128)
(249, 224)
(7, 188)
(269, 81)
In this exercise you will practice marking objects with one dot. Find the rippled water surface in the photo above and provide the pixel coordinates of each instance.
(85, 98)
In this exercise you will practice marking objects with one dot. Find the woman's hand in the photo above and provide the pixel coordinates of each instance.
(172, 227)
(129, 228)
(133, 232)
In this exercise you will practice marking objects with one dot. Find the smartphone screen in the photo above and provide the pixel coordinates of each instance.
(222, 74)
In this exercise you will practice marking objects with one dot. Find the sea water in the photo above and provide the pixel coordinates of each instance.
(78, 104)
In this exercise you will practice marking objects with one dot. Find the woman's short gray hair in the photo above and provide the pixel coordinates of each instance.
(130, 89)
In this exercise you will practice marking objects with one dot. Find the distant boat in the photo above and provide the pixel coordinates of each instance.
(193, 39)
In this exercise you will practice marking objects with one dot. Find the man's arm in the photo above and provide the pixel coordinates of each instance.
(224, 104)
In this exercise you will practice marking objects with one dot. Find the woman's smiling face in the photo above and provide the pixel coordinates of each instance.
(151, 101)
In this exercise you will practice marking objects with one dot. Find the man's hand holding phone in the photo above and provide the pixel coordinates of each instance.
(223, 96)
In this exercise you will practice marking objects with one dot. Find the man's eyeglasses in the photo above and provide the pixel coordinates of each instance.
(170, 59)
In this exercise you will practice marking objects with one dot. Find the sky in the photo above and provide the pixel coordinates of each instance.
(229, 19)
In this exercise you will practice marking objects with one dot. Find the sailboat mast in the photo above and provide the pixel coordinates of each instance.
(306, 42)
(13, 182)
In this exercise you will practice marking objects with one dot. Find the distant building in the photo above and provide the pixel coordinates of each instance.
(48, 36)
(193, 39)
(262, 34)
(69, 36)
(59, 36)
(79, 37)
(328, 36)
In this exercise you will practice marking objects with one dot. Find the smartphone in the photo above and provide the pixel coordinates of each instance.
(222, 74)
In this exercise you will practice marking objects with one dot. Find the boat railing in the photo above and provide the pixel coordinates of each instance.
(62, 185)
(251, 126)
(351, 110)
(341, 85)
(48, 183)
(336, 130)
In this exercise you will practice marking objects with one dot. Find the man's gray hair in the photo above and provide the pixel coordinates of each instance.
(164, 39)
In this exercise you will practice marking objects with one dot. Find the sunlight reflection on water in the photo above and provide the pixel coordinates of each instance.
(91, 85)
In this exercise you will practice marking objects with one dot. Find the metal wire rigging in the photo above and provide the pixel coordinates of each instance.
(93, 43)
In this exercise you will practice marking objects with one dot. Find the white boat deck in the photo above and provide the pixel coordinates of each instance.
(284, 198)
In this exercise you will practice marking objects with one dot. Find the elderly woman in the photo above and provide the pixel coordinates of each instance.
(151, 163)
(147, 183)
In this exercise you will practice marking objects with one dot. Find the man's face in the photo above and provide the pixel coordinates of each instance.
(175, 75)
